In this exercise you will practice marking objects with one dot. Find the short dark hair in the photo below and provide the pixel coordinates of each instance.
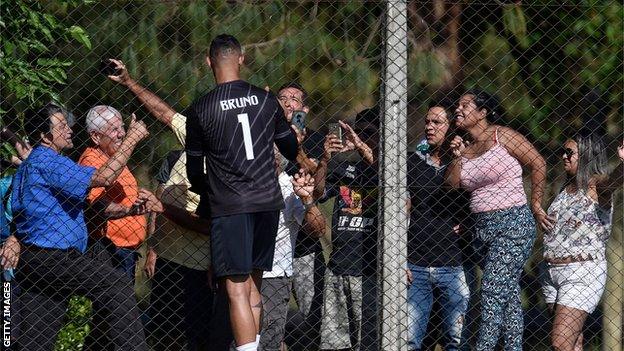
(446, 102)
(224, 45)
(367, 125)
(304, 93)
(37, 121)
(369, 116)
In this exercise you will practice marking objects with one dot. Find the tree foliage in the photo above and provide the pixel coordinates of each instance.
(30, 68)
(553, 64)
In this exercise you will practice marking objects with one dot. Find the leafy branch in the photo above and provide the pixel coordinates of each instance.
(29, 63)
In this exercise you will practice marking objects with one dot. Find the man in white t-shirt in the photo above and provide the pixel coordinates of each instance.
(300, 213)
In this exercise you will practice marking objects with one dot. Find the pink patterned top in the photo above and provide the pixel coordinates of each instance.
(493, 179)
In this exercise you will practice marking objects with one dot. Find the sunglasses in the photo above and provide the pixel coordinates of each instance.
(567, 152)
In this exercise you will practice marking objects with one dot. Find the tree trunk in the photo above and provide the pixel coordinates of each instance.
(452, 44)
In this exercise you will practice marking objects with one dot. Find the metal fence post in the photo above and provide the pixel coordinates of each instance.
(393, 236)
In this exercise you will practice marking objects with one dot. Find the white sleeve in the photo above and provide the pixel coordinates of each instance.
(178, 126)
(294, 211)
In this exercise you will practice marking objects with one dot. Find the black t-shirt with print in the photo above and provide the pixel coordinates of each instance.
(353, 185)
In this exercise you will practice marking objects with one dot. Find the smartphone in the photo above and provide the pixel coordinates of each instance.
(298, 119)
(335, 129)
(108, 68)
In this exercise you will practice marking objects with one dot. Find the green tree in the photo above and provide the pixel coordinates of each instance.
(29, 66)
(539, 57)
(30, 69)
(543, 59)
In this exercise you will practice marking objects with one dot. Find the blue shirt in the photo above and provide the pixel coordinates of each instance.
(48, 200)
(5, 208)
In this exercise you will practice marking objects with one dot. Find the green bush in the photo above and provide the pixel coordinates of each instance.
(76, 328)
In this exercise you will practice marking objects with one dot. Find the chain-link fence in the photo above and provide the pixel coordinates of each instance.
(457, 184)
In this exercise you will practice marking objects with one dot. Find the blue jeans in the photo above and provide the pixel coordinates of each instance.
(125, 260)
(451, 281)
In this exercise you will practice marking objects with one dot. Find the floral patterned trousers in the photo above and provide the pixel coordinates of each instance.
(504, 238)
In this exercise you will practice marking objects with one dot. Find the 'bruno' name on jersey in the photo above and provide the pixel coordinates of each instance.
(241, 102)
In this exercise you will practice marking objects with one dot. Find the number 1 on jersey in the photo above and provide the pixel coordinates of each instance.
(243, 119)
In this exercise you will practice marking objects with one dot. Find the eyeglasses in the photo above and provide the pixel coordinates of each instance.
(567, 152)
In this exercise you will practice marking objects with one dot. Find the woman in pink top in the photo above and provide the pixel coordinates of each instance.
(489, 166)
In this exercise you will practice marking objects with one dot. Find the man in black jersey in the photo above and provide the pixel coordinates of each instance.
(233, 128)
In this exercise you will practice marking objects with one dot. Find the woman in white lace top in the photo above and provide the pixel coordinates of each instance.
(575, 244)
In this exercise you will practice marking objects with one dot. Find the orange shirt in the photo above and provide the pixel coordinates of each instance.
(123, 232)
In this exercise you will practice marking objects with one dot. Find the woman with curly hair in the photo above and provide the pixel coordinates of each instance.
(489, 166)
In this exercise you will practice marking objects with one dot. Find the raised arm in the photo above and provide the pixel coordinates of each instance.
(155, 105)
(453, 171)
(285, 136)
(305, 162)
(314, 221)
(528, 156)
(288, 146)
(23, 148)
(332, 144)
(308, 164)
(108, 173)
(354, 142)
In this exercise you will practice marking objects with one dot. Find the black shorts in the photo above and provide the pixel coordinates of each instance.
(242, 243)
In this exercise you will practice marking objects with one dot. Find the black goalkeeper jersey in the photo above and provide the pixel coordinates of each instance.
(234, 126)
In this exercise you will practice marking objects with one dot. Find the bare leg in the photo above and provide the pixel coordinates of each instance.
(579, 343)
(255, 298)
(242, 318)
(568, 328)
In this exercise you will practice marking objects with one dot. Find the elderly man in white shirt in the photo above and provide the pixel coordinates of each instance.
(300, 212)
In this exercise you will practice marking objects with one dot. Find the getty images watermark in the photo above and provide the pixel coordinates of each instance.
(7, 277)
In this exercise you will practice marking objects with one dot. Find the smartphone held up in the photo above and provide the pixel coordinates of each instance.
(336, 129)
(298, 120)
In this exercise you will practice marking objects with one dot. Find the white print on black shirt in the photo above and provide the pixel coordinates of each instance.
(354, 223)
(241, 102)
